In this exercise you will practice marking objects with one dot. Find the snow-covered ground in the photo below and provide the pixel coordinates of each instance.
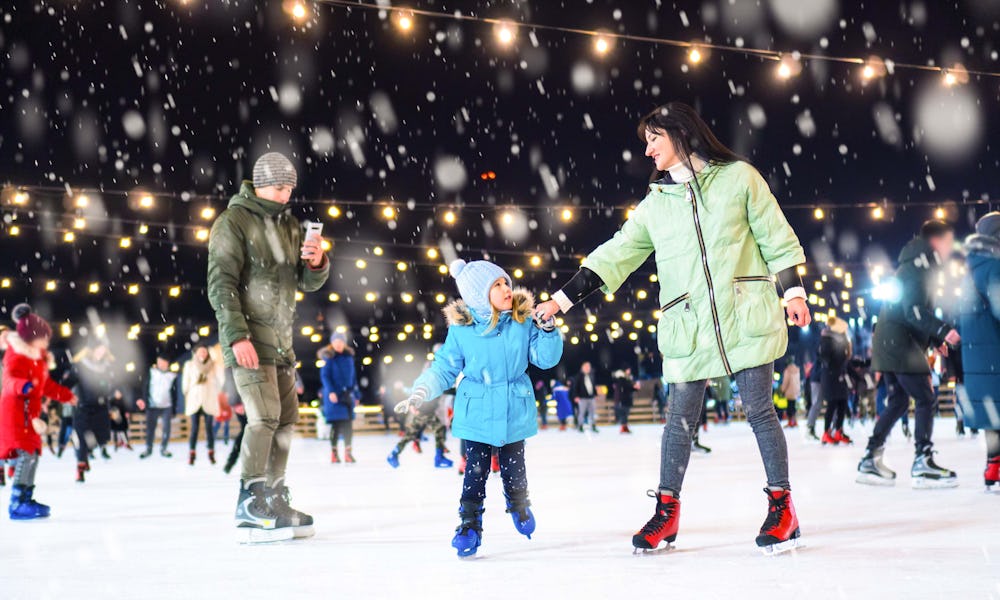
(161, 529)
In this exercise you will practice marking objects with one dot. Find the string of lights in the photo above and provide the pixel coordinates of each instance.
(19, 196)
(789, 63)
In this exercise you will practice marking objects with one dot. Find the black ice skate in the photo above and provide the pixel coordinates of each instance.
(926, 474)
(256, 521)
(872, 471)
(279, 498)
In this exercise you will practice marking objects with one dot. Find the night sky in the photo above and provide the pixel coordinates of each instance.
(177, 99)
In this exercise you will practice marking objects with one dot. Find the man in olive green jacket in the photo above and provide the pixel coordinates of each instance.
(257, 261)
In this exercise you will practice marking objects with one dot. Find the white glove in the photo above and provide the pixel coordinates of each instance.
(418, 397)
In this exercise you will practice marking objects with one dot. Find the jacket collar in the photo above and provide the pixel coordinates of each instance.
(248, 199)
(668, 185)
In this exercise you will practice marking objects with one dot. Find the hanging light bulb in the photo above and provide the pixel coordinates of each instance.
(695, 55)
(405, 22)
(602, 45)
(877, 213)
(818, 214)
(789, 66)
(505, 33)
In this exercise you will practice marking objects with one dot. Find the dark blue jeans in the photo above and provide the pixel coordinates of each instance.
(196, 422)
(477, 469)
(152, 416)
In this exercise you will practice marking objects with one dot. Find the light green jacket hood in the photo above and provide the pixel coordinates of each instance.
(717, 246)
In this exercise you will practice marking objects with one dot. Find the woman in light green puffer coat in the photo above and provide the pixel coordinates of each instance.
(720, 240)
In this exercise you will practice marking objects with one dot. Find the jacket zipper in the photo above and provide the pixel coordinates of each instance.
(708, 278)
(754, 278)
(674, 303)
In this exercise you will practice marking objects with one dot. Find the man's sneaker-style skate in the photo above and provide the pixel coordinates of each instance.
(780, 531)
(469, 534)
(872, 471)
(279, 498)
(662, 527)
(992, 473)
(518, 508)
(256, 521)
(926, 474)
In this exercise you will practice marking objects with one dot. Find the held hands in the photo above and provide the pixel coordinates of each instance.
(333, 397)
(312, 251)
(546, 311)
(952, 339)
(798, 312)
(544, 324)
(246, 354)
(140, 404)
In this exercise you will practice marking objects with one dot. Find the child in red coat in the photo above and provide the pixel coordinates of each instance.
(25, 382)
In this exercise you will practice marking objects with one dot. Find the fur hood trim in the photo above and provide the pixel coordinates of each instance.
(18, 346)
(457, 313)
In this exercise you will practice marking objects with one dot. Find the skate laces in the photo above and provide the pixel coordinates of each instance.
(776, 510)
(664, 514)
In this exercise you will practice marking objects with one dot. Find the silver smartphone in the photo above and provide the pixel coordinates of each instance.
(313, 228)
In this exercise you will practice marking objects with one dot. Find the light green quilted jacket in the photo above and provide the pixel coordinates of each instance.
(716, 252)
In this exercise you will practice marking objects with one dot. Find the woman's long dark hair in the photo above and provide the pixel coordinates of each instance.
(688, 133)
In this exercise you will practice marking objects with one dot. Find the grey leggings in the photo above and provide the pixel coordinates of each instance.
(27, 465)
(684, 414)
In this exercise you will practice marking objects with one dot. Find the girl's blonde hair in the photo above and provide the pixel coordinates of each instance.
(520, 309)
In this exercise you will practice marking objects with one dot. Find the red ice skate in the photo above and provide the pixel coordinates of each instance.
(780, 531)
(828, 438)
(662, 527)
(840, 437)
(992, 474)
(495, 464)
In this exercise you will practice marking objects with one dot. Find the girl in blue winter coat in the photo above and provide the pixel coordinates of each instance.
(491, 339)
(339, 382)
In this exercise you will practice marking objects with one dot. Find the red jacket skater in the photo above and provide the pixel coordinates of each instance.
(23, 364)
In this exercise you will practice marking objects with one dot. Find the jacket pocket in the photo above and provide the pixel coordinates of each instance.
(678, 329)
(758, 310)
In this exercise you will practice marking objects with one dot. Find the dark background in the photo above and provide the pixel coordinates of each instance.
(178, 99)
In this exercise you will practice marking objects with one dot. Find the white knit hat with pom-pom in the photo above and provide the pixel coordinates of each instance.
(474, 280)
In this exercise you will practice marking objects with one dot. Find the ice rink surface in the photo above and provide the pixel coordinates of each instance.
(161, 529)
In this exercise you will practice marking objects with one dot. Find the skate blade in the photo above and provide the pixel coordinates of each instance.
(653, 551)
(782, 547)
(869, 479)
(253, 535)
(304, 531)
(921, 483)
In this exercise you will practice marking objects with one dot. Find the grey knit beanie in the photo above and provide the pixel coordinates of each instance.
(274, 168)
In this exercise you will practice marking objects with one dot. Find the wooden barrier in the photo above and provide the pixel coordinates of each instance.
(369, 419)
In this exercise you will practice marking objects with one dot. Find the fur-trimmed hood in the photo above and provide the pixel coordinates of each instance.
(457, 313)
(327, 352)
(19, 346)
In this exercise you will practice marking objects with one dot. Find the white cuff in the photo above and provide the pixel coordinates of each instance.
(795, 292)
(562, 300)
